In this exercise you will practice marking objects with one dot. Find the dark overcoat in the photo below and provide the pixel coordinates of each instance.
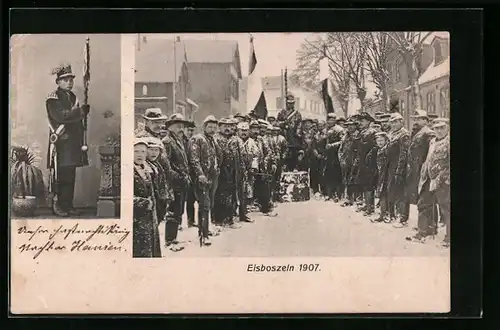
(367, 168)
(290, 124)
(63, 108)
(347, 157)
(417, 152)
(177, 170)
(397, 154)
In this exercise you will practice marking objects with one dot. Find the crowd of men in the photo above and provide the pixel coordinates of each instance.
(234, 165)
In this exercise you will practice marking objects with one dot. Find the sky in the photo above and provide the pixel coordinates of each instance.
(274, 51)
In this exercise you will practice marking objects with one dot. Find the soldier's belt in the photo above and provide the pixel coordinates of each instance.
(55, 133)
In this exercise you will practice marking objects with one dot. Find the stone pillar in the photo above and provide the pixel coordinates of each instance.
(108, 204)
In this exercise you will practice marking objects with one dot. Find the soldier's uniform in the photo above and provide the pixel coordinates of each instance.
(417, 152)
(347, 157)
(190, 195)
(239, 201)
(397, 154)
(178, 177)
(227, 184)
(263, 179)
(289, 120)
(333, 171)
(381, 186)
(66, 139)
(205, 168)
(434, 186)
(367, 166)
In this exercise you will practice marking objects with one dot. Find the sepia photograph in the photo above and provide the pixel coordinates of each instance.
(65, 118)
(292, 145)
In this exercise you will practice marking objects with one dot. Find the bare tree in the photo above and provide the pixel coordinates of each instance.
(348, 53)
(378, 47)
(307, 71)
(410, 46)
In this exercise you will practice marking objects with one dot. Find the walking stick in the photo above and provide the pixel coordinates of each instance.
(86, 81)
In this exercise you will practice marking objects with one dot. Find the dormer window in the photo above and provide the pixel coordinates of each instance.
(144, 90)
(438, 53)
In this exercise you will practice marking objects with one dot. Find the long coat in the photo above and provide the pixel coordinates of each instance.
(63, 108)
(204, 160)
(417, 152)
(146, 237)
(347, 157)
(178, 167)
(382, 163)
(367, 168)
(397, 154)
(251, 156)
(436, 167)
(333, 170)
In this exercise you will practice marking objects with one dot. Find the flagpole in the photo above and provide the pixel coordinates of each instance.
(175, 78)
(282, 91)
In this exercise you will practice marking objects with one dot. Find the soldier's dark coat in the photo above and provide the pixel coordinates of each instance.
(63, 108)
(417, 152)
(177, 170)
(290, 126)
(382, 163)
(333, 170)
(347, 157)
(397, 154)
(163, 193)
(367, 168)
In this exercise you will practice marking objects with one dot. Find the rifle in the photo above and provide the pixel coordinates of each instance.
(86, 81)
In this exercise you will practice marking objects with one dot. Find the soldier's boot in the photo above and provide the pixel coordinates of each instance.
(57, 210)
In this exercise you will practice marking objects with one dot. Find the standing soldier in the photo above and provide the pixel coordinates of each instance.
(434, 185)
(254, 147)
(249, 157)
(178, 176)
(239, 205)
(267, 167)
(397, 154)
(227, 185)
(190, 196)
(289, 120)
(281, 147)
(367, 168)
(421, 136)
(66, 140)
(333, 171)
(205, 168)
(347, 156)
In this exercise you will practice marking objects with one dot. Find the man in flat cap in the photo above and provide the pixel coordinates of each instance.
(66, 140)
(367, 165)
(204, 162)
(178, 175)
(227, 185)
(420, 139)
(397, 154)
(289, 120)
(434, 185)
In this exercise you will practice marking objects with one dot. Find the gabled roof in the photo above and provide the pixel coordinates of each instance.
(154, 62)
(434, 72)
(213, 51)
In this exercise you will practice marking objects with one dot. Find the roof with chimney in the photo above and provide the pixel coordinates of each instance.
(154, 61)
(213, 51)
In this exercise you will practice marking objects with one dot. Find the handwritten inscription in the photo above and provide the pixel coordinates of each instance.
(72, 239)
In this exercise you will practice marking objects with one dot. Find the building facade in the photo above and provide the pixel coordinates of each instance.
(162, 78)
(308, 102)
(434, 81)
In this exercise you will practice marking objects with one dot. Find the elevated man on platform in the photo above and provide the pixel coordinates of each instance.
(66, 140)
(289, 119)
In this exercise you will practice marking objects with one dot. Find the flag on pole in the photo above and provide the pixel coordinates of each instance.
(326, 92)
(256, 100)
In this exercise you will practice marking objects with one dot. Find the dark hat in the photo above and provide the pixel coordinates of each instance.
(290, 98)
(175, 118)
(341, 120)
(154, 114)
(350, 122)
(439, 122)
(355, 117)
(191, 124)
(63, 71)
(365, 116)
(432, 116)
(239, 115)
(384, 118)
(331, 115)
(378, 113)
(271, 117)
